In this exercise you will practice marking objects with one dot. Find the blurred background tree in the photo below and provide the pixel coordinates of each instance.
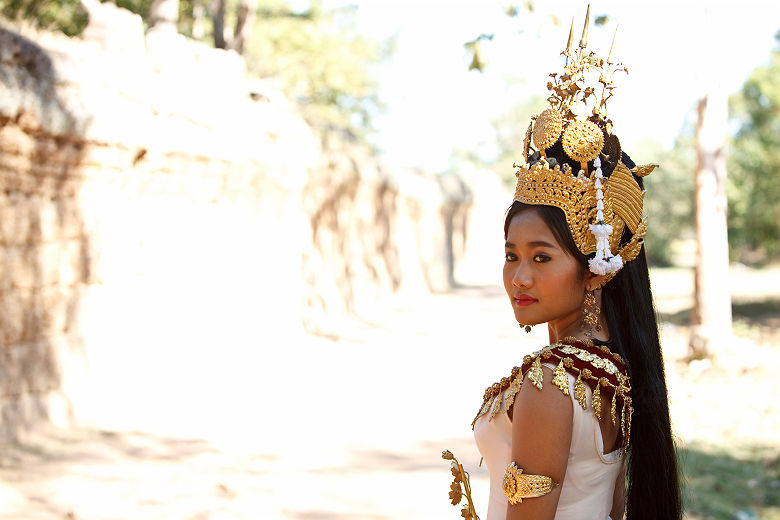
(164, 14)
(316, 56)
(67, 16)
(754, 166)
(669, 207)
(323, 61)
(510, 130)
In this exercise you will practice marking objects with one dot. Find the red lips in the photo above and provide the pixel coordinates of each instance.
(524, 300)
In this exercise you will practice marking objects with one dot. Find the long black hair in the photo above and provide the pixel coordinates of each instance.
(653, 483)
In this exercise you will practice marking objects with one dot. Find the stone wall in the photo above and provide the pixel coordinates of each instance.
(375, 231)
(158, 225)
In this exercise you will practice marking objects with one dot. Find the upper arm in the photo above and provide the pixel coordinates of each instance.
(541, 438)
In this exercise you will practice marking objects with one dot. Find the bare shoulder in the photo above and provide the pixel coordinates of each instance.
(542, 416)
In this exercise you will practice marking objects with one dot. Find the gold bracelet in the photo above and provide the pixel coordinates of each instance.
(517, 485)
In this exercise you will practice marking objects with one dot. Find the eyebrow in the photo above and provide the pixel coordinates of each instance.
(536, 243)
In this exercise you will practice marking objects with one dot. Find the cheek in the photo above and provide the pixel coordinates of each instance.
(568, 281)
(577, 284)
(508, 275)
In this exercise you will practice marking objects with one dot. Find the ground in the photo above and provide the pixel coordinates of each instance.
(352, 427)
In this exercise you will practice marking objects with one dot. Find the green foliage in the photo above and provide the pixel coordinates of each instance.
(669, 201)
(67, 16)
(474, 47)
(323, 62)
(754, 165)
(513, 10)
(510, 130)
(139, 7)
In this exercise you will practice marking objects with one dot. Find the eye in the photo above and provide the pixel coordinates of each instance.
(541, 259)
(510, 257)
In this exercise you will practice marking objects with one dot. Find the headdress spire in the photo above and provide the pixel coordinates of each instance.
(584, 39)
(570, 45)
(612, 47)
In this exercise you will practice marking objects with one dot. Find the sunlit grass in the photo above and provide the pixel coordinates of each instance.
(734, 482)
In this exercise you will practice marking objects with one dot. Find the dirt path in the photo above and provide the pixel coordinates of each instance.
(354, 428)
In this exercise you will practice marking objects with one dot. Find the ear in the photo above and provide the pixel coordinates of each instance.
(593, 281)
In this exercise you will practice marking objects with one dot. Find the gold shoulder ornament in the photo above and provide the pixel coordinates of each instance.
(518, 485)
(597, 207)
(593, 366)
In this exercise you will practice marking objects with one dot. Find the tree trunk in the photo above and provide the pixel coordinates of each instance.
(711, 317)
(164, 14)
(244, 23)
(218, 20)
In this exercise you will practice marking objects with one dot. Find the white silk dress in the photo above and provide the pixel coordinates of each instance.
(589, 483)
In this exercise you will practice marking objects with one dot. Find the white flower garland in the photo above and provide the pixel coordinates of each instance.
(603, 263)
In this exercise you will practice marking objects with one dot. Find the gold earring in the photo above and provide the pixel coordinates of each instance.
(591, 314)
(526, 327)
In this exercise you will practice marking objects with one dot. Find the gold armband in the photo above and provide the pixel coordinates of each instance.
(518, 485)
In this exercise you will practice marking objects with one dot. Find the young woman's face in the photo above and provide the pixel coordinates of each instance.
(543, 282)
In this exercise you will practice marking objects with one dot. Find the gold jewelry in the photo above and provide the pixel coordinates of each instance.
(526, 327)
(591, 313)
(597, 208)
(460, 487)
(593, 365)
(518, 485)
(547, 128)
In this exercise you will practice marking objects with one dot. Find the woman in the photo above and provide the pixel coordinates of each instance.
(581, 430)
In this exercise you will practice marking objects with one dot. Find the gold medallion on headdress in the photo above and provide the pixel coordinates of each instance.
(583, 141)
(547, 128)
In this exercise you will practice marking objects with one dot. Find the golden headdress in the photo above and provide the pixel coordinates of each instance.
(597, 207)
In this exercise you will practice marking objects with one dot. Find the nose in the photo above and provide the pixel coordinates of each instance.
(522, 277)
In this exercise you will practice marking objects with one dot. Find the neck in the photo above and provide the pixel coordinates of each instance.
(558, 330)
(574, 328)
